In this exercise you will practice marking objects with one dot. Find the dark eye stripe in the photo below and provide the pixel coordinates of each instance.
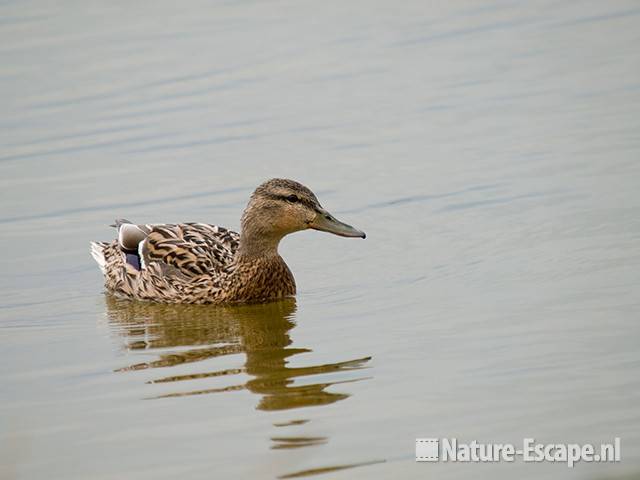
(303, 201)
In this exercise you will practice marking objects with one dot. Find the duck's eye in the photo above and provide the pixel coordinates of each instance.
(292, 198)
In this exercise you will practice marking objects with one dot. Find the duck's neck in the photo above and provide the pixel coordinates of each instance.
(260, 273)
(257, 243)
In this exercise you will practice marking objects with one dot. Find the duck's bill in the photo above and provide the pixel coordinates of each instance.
(325, 222)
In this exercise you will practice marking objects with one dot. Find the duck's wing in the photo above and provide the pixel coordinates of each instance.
(189, 248)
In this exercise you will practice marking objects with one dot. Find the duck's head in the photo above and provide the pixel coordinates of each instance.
(280, 206)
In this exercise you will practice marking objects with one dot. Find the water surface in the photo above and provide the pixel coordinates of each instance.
(490, 151)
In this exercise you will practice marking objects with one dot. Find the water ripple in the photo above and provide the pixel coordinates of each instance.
(121, 205)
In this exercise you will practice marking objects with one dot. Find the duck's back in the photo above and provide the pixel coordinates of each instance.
(191, 248)
(185, 262)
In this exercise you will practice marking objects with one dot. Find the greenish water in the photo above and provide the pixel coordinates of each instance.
(490, 152)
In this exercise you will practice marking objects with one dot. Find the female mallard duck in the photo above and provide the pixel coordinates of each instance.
(200, 263)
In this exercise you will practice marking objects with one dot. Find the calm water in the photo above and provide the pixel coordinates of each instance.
(491, 153)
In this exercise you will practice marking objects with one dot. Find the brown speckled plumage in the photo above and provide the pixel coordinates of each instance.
(201, 263)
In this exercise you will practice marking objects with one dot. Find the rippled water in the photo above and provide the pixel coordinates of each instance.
(490, 151)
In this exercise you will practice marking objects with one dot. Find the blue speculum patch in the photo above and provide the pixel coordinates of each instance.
(133, 260)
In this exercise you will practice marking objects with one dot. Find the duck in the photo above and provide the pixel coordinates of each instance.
(200, 263)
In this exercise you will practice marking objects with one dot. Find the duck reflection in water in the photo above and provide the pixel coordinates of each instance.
(184, 334)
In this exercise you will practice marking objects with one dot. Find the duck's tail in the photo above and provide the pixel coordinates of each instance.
(97, 252)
